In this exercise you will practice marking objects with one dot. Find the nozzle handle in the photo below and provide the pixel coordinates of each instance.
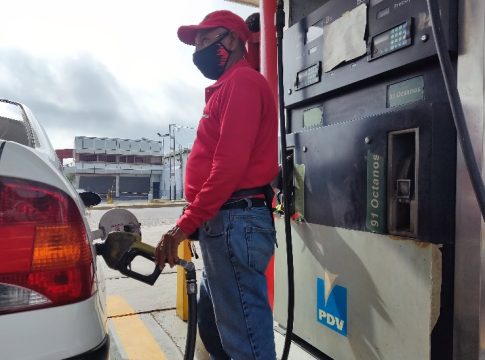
(124, 266)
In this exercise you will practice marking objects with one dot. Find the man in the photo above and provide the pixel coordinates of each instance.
(234, 155)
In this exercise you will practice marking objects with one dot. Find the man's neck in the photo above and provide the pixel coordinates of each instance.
(233, 59)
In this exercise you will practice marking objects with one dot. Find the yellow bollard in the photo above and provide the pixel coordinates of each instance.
(109, 197)
(182, 305)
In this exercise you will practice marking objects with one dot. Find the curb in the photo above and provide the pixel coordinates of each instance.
(137, 206)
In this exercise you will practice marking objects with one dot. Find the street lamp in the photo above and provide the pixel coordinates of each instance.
(171, 132)
(163, 158)
(163, 142)
(178, 127)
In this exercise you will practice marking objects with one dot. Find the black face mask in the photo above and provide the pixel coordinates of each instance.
(212, 60)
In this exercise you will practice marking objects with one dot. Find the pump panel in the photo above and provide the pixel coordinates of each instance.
(414, 145)
(393, 34)
(388, 103)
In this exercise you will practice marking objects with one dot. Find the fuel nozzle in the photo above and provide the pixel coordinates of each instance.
(121, 248)
(122, 234)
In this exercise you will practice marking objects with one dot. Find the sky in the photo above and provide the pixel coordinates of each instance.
(105, 68)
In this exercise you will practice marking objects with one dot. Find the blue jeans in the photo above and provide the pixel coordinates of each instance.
(234, 316)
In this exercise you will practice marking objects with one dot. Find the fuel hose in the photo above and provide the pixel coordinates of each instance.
(191, 283)
(280, 24)
(449, 77)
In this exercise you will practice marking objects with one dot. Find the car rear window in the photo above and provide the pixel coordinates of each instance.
(13, 126)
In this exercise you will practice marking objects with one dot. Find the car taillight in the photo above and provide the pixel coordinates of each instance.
(45, 255)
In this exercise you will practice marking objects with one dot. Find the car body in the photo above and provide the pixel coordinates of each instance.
(52, 295)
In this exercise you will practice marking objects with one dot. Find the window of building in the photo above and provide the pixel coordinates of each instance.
(88, 157)
(107, 158)
(128, 159)
(139, 159)
(155, 160)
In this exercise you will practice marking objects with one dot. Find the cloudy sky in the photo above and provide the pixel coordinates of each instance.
(103, 67)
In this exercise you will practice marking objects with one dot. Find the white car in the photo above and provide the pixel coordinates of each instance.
(52, 296)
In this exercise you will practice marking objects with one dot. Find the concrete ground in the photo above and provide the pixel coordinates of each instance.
(142, 319)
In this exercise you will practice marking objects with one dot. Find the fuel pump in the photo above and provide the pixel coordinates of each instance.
(371, 132)
(122, 244)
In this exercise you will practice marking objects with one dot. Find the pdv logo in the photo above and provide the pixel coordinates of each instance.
(332, 304)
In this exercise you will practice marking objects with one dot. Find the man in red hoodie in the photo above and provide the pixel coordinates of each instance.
(233, 158)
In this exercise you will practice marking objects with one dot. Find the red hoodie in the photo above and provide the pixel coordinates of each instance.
(236, 144)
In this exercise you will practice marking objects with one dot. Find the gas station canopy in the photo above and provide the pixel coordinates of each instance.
(246, 2)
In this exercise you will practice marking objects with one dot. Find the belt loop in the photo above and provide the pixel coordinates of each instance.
(250, 203)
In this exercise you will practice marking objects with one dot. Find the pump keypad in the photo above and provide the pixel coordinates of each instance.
(391, 40)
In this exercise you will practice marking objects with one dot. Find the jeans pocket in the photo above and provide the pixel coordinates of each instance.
(214, 227)
(261, 244)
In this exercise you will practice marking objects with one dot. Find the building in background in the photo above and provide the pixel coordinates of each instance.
(127, 168)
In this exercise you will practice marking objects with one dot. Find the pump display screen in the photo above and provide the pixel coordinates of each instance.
(309, 76)
(392, 40)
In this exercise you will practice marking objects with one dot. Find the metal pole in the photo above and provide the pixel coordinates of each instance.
(174, 178)
(181, 173)
(170, 163)
(269, 70)
(171, 133)
(268, 44)
(163, 161)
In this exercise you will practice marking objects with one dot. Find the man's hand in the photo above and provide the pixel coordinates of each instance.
(166, 251)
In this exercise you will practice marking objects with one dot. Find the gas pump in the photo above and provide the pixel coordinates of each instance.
(371, 134)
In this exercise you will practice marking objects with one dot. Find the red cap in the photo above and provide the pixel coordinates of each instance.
(221, 18)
